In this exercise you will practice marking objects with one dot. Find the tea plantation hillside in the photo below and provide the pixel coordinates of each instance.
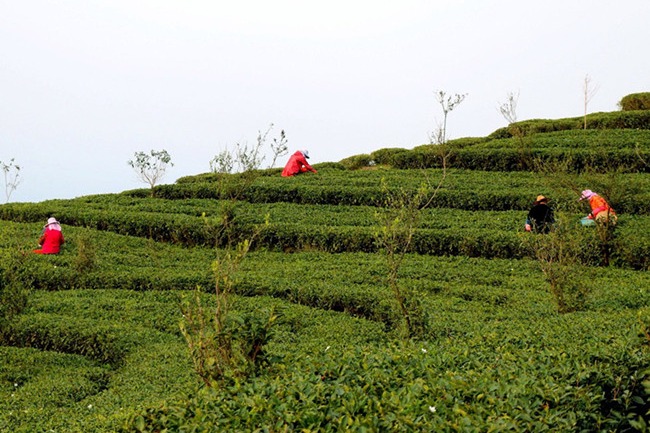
(482, 326)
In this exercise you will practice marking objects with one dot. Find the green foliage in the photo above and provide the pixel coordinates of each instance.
(14, 286)
(224, 346)
(510, 159)
(610, 120)
(486, 231)
(464, 189)
(86, 258)
(558, 254)
(32, 380)
(635, 101)
(81, 359)
(357, 161)
(386, 156)
(397, 223)
(631, 246)
(221, 344)
(414, 388)
(15, 276)
(313, 326)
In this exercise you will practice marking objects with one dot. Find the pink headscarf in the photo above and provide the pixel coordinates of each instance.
(53, 224)
(586, 194)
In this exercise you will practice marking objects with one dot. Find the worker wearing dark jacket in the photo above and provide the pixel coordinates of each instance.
(298, 164)
(540, 217)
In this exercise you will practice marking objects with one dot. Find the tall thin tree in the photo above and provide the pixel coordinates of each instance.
(589, 91)
(447, 103)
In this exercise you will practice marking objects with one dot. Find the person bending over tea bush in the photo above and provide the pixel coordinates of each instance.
(51, 239)
(601, 211)
(298, 164)
(540, 217)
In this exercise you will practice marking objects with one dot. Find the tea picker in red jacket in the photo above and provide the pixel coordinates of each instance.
(51, 239)
(298, 164)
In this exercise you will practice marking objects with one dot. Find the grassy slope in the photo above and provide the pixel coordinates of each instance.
(498, 353)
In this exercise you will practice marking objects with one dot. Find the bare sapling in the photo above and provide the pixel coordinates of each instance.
(279, 146)
(11, 172)
(448, 103)
(238, 168)
(637, 150)
(398, 220)
(588, 92)
(508, 110)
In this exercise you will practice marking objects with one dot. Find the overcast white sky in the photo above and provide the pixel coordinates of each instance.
(86, 83)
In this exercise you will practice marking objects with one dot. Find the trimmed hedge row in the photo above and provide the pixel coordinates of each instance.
(191, 231)
(639, 119)
(459, 237)
(584, 139)
(510, 159)
(489, 196)
(52, 332)
(175, 228)
(473, 190)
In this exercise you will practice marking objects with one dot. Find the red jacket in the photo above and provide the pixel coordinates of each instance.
(297, 164)
(51, 241)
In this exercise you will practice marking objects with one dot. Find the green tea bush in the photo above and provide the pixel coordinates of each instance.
(386, 156)
(15, 282)
(85, 259)
(631, 249)
(509, 159)
(635, 101)
(99, 353)
(609, 120)
(36, 379)
(583, 139)
(356, 162)
(414, 388)
(49, 332)
(155, 363)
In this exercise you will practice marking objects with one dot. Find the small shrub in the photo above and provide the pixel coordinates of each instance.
(558, 255)
(356, 162)
(86, 259)
(386, 156)
(635, 101)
